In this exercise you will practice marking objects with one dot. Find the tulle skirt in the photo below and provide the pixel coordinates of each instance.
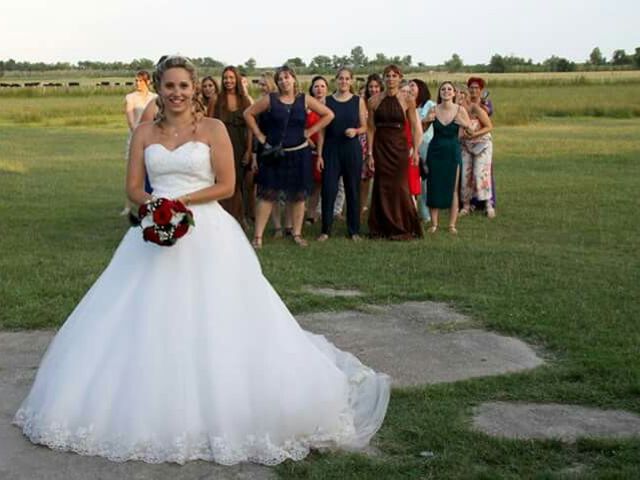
(187, 352)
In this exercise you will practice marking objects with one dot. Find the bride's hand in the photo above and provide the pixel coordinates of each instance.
(184, 199)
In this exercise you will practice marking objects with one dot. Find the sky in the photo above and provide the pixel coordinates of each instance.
(272, 32)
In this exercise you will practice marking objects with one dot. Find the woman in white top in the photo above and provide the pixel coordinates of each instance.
(134, 105)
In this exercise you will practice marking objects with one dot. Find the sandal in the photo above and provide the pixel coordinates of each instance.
(491, 213)
(432, 229)
(323, 237)
(288, 232)
(257, 243)
(277, 233)
(453, 230)
(298, 240)
(464, 212)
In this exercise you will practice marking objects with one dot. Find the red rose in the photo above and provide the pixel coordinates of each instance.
(150, 235)
(178, 206)
(181, 230)
(143, 210)
(162, 215)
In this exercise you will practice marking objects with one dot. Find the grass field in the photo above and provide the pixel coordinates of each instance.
(559, 267)
(618, 76)
(514, 105)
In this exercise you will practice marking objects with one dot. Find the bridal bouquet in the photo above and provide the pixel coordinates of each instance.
(164, 221)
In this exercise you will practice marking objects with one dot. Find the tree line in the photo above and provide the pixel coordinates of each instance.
(360, 62)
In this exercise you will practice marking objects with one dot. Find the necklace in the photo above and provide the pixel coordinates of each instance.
(177, 129)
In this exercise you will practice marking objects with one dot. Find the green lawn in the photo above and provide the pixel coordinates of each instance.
(559, 267)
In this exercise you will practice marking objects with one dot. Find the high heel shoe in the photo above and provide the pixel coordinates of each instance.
(257, 243)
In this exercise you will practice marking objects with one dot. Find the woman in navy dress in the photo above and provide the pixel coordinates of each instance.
(342, 154)
(285, 115)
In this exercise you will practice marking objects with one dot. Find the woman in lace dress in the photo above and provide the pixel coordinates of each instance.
(165, 360)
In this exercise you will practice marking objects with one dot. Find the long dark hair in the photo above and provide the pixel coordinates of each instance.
(374, 77)
(215, 84)
(443, 84)
(423, 92)
(221, 104)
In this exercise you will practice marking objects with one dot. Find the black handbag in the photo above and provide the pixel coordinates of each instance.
(274, 153)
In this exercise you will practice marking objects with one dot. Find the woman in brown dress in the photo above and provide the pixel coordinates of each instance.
(392, 214)
(229, 107)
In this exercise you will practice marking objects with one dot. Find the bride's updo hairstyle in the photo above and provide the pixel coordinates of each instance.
(176, 61)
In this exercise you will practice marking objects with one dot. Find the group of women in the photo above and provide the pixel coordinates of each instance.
(164, 359)
(389, 149)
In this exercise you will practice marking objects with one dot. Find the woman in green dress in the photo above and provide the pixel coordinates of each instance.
(444, 156)
(229, 107)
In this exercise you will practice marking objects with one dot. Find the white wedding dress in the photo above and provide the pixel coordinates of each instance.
(187, 352)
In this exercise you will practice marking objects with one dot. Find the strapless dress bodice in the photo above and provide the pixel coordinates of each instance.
(179, 171)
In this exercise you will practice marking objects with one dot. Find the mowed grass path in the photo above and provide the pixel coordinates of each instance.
(559, 267)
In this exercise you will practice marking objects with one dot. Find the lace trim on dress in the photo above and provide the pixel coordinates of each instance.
(353, 431)
(273, 195)
(184, 448)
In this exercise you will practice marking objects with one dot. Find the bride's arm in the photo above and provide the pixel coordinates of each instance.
(221, 162)
(135, 166)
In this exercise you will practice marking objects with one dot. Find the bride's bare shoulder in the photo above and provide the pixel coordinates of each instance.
(214, 131)
(212, 127)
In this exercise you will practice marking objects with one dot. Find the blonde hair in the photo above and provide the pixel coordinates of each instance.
(176, 61)
(269, 81)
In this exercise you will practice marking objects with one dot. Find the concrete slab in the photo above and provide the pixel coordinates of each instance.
(553, 421)
(405, 342)
(414, 342)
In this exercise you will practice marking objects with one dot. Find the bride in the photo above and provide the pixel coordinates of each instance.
(186, 352)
